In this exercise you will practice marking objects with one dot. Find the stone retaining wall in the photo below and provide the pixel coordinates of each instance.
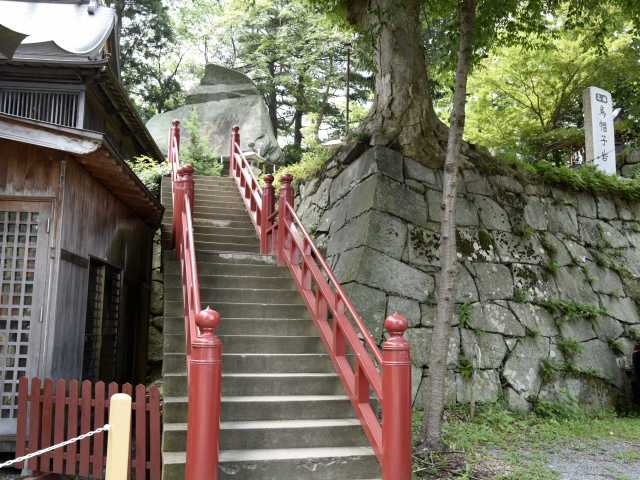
(548, 281)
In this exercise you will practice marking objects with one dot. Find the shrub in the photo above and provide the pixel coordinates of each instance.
(197, 152)
(149, 171)
(309, 165)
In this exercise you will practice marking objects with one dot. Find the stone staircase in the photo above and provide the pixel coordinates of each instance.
(284, 412)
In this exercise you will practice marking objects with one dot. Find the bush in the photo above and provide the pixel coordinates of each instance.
(310, 164)
(149, 172)
(197, 152)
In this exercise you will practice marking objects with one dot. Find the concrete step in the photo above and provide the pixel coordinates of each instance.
(225, 247)
(249, 240)
(240, 295)
(255, 326)
(204, 229)
(244, 310)
(175, 343)
(229, 264)
(256, 434)
(234, 281)
(257, 362)
(217, 216)
(341, 463)
(280, 407)
(202, 207)
(238, 221)
(175, 384)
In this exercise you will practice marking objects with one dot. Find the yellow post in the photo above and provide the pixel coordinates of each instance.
(118, 437)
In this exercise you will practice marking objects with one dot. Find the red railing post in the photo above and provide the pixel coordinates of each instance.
(396, 401)
(203, 428)
(175, 132)
(286, 197)
(268, 200)
(235, 138)
(182, 184)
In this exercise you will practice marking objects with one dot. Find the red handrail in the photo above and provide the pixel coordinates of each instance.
(342, 331)
(203, 347)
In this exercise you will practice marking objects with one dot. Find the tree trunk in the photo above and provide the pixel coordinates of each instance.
(324, 101)
(300, 108)
(272, 99)
(436, 386)
(402, 115)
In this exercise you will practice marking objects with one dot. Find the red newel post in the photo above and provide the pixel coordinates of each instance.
(268, 206)
(235, 138)
(182, 185)
(174, 131)
(203, 429)
(286, 197)
(396, 401)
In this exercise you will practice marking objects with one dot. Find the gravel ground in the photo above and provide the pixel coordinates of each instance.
(606, 459)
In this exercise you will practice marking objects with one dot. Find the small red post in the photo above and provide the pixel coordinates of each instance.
(396, 401)
(203, 428)
(268, 206)
(286, 197)
(174, 131)
(235, 138)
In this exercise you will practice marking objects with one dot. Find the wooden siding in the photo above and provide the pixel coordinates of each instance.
(96, 224)
(28, 171)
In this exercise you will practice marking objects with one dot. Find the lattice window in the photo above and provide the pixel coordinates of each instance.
(47, 104)
(18, 242)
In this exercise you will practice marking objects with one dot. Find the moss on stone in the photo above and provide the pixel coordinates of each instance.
(485, 239)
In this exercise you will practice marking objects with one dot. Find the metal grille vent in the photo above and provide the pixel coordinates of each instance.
(52, 106)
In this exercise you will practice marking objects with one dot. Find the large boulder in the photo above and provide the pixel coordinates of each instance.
(223, 99)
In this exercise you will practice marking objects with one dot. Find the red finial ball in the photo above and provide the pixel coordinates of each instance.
(396, 324)
(207, 320)
(268, 178)
(235, 129)
(175, 122)
(286, 178)
(185, 170)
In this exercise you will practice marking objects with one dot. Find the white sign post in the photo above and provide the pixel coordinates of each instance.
(598, 128)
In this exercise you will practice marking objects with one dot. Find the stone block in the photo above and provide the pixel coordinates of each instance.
(536, 214)
(494, 318)
(466, 212)
(512, 248)
(598, 233)
(371, 304)
(579, 330)
(522, 368)
(624, 309)
(607, 328)
(466, 291)
(492, 215)
(484, 388)
(351, 176)
(421, 174)
(420, 341)
(604, 280)
(396, 199)
(375, 269)
(476, 183)
(606, 208)
(494, 281)
(490, 346)
(578, 253)
(509, 184)
(333, 219)
(405, 306)
(388, 162)
(560, 254)
(423, 246)
(563, 219)
(586, 205)
(156, 301)
(574, 285)
(596, 356)
(535, 318)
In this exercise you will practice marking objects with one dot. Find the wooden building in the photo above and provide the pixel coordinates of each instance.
(76, 225)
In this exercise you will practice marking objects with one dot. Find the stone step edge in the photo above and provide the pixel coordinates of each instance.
(274, 424)
(266, 398)
(265, 375)
(275, 454)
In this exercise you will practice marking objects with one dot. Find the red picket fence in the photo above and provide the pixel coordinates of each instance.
(52, 412)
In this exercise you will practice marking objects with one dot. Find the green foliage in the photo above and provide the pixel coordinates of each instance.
(464, 315)
(549, 247)
(197, 151)
(519, 295)
(552, 266)
(566, 407)
(569, 311)
(149, 172)
(149, 56)
(466, 368)
(569, 347)
(309, 165)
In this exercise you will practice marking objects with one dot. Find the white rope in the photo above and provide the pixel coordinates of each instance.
(29, 456)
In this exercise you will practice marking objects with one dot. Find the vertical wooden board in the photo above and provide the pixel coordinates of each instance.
(21, 431)
(34, 423)
(58, 432)
(141, 433)
(85, 426)
(154, 434)
(128, 389)
(113, 389)
(72, 427)
(47, 425)
(98, 442)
